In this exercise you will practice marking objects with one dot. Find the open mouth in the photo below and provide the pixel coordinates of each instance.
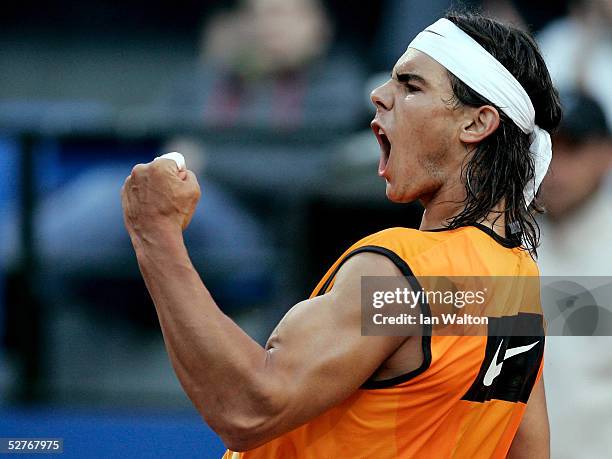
(385, 148)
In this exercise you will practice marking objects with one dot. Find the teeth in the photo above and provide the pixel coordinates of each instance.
(380, 132)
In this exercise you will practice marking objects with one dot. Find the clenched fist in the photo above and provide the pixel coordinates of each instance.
(158, 196)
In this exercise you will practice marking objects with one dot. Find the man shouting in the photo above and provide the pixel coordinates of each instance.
(463, 124)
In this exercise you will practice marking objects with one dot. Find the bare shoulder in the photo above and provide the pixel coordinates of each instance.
(343, 300)
(364, 264)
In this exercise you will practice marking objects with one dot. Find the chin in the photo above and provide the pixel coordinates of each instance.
(394, 196)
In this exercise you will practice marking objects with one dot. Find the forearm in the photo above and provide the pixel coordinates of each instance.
(220, 367)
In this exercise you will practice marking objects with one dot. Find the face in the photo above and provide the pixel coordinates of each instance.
(576, 172)
(288, 32)
(418, 129)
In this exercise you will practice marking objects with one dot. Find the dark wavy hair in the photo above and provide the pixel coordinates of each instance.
(501, 164)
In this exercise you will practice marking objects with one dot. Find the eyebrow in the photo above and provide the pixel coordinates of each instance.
(408, 77)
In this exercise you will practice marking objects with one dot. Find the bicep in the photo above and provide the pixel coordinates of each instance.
(318, 354)
(532, 439)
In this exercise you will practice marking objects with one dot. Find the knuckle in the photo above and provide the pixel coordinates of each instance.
(157, 168)
(138, 169)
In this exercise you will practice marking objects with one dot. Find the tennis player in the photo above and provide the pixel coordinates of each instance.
(463, 125)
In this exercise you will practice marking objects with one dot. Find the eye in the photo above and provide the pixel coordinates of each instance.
(411, 87)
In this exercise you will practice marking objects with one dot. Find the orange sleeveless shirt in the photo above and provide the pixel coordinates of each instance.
(442, 409)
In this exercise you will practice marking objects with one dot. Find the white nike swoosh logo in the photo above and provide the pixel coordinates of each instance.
(495, 368)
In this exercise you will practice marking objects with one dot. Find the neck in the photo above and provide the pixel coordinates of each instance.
(447, 203)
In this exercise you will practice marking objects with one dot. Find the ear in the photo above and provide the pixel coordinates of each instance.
(479, 123)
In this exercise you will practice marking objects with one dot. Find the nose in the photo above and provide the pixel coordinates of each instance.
(381, 97)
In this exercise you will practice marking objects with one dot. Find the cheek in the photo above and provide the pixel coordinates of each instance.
(423, 122)
(425, 145)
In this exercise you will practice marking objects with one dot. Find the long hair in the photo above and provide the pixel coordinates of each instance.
(501, 165)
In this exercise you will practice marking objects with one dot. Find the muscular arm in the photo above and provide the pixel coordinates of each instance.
(315, 358)
(532, 441)
(248, 394)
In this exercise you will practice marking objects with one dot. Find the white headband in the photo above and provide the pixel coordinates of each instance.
(452, 48)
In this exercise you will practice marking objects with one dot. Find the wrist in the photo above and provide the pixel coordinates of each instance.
(158, 237)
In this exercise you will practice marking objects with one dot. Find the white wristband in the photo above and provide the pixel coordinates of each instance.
(176, 157)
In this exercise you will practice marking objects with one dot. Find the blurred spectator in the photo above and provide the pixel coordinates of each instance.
(578, 51)
(270, 63)
(267, 63)
(576, 193)
(576, 242)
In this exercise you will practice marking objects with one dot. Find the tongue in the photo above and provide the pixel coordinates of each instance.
(382, 164)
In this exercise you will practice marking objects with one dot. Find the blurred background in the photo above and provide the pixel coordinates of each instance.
(269, 102)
